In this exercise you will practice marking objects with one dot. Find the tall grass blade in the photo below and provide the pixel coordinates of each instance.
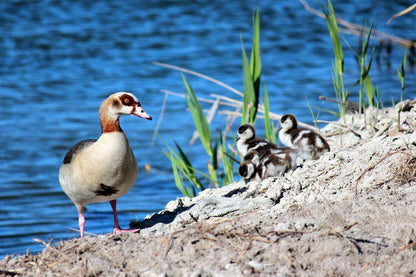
(268, 125)
(255, 63)
(188, 169)
(213, 167)
(251, 75)
(365, 80)
(402, 74)
(248, 113)
(198, 117)
(338, 67)
(227, 162)
(314, 117)
(338, 93)
(186, 187)
(336, 41)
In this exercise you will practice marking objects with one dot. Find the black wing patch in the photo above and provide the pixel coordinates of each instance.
(105, 190)
(77, 147)
(264, 149)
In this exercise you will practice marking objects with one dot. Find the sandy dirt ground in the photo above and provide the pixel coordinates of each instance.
(350, 213)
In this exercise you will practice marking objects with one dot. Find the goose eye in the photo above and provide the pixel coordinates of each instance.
(126, 100)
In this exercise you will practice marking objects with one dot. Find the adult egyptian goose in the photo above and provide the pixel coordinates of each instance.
(247, 141)
(310, 144)
(104, 169)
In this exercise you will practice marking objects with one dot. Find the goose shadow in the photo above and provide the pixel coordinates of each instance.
(167, 217)
(164, 217)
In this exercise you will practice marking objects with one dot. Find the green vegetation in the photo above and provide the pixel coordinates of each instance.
(220, 166)
(220, 162)
(338, 65)
(369, 94)
(251, 76)
(401, 74)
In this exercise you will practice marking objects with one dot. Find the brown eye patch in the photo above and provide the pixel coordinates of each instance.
(127, 100)
(116, 103)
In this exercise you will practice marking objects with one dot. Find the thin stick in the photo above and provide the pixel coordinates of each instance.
(199, 75)
(205, 100)
(230, 123)
(227, 99)
(409, 9)
(358, 29)
(162, 111)
(230, 100)
(183, 96)
(232, 158)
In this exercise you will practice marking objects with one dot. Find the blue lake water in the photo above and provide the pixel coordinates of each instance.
(60, 59)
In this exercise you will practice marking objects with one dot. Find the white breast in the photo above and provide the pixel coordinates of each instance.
(242, 147)
(285, 139)
(109, 161)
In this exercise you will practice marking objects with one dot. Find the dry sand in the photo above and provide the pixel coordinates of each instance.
(351, 213)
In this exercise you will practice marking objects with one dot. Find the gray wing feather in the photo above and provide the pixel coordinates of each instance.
(76, 148)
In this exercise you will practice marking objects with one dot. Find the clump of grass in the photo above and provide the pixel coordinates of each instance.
(369, 94)
(406, 171)
(338, 64)
(365, 80)
(220, 169)
(220, 166)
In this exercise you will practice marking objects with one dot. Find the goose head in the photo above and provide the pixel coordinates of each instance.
(247, 170)
(116, 105)
(245, 132)
(288, 121)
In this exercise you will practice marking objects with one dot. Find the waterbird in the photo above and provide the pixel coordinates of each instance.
(310, 144)
(105, 169)
(288, 154)
(257, 167)
(249, 167)
(247, 141)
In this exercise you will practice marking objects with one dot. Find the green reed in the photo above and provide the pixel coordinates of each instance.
(251, 75)
(338, 64)
(369, 94)
(220, 166)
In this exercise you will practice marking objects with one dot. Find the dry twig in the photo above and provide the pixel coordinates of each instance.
(359, 30)
(405, 11)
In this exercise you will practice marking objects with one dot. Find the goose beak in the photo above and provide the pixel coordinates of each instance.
(138, 111)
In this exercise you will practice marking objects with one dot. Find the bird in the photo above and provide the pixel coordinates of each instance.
(287, 154)
(257, 167)
(273, 165)
(247, 141)
(309, 144)
(249, 167)
(103, 169)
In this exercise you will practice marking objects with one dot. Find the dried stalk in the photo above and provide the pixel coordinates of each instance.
(356, 29)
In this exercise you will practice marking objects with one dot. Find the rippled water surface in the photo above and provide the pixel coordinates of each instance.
(60, 59)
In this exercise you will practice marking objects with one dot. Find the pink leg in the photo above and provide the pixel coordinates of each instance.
(81, 223)
(117, 229)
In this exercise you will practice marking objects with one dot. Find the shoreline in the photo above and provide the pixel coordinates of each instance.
(351, 212)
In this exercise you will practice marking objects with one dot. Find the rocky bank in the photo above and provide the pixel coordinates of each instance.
(350, 213)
